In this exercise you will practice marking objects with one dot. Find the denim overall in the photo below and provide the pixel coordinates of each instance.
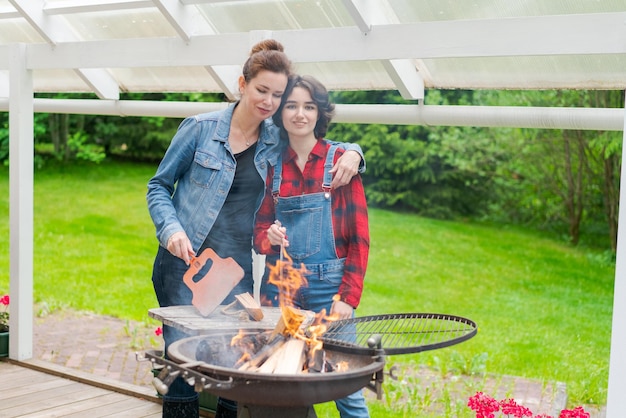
(308, 221)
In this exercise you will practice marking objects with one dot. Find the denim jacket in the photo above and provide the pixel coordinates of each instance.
(197, 171)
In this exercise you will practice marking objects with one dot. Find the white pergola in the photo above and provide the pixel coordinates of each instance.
(107, 47)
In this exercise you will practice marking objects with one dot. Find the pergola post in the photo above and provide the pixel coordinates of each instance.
(21, 146)
(616, 401)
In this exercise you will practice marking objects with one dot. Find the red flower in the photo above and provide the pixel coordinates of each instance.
(577, 412)
(510, 407)
(483, 405)
(158, 331)
(5, 300)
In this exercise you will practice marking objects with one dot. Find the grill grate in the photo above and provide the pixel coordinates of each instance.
(401, 333)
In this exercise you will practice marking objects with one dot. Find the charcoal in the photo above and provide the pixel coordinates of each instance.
(217, 352)
(316, 361)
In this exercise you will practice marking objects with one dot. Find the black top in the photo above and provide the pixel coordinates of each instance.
(233, 228)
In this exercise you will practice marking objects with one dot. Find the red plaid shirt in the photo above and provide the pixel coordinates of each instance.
(349, 208)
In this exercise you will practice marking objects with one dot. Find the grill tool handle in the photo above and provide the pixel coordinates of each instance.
(173, 370)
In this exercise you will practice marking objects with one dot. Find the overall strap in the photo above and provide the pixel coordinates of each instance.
(330, 158)
(277, 178)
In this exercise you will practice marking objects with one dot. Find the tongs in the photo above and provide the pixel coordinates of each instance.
(281, 256)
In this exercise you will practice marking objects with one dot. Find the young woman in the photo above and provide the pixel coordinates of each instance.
(207, 189)
(323, 228)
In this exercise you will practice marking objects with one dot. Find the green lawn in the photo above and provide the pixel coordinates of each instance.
(543, 308)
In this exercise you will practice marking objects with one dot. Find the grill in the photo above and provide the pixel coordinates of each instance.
(362, 343)
(399, 333)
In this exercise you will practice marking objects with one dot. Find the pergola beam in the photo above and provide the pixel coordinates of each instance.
(604, 36)
(581, 118)
(54, 31)
(402, 72)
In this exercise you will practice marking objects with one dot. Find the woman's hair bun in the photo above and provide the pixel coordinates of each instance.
(267, 45)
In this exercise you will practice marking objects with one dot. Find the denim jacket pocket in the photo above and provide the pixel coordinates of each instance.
(205, 168)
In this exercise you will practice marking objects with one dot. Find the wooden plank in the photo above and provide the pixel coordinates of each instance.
(50, 398)
(40, 384)
(40, 395)
(292, 358)
(188, 320)
(90, 379)
(111, 404)
(16, 377)
(98, 406)
(139, 411)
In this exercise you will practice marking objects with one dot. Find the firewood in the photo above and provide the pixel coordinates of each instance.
(250, 305)
(263, 354)
(292, 357)
(289, 323)
(272, 361)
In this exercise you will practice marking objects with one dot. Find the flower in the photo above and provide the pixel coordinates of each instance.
(510, 407)
(4, 315)
(485, 406)
(158, 331)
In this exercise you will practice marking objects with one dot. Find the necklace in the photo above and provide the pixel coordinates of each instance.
(245, 137)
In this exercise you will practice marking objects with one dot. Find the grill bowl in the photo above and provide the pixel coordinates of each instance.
(281, 390)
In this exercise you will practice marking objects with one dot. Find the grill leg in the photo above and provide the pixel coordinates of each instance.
(255, 411)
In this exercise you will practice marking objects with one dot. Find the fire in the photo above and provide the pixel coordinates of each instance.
(289, 279)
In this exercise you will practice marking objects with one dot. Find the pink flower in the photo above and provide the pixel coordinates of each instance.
(158, 331)
(510, 407)
(483, 405)
(4, 314)
(577, 412)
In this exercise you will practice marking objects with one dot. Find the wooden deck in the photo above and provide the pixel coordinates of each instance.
(32, 390)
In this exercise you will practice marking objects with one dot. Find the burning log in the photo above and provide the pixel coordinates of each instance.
(289, 359)
(263, 354)
(289, 349)
(289, 323)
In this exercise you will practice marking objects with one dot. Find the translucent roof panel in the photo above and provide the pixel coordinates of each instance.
(112, 46)
(122, 24)
(409, 11)
(243, 16)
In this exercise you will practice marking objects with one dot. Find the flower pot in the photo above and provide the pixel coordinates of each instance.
(4, 344)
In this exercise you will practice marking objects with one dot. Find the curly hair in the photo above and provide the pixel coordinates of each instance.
(320, 96)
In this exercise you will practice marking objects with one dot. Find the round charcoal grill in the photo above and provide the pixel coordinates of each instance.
(362, 342)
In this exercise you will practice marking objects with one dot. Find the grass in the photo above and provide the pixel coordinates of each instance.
(543, 307)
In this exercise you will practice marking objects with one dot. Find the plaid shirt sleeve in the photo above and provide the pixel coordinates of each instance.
(350, 223)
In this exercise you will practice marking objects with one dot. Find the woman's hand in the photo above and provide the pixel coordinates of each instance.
(346, 167)
(180, 246)
(341, 309)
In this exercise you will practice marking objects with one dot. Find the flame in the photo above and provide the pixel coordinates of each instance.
(289, 279)
(317, 329)
(237, 338)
